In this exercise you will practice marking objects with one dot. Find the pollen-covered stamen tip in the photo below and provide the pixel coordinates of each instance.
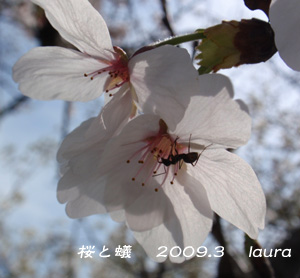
(94, 73)
(117, 70)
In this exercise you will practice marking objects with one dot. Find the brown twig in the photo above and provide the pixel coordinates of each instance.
(228, 267)
(165, 19)
(13, 105)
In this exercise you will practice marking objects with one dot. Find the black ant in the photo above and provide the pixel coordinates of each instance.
(189, 157)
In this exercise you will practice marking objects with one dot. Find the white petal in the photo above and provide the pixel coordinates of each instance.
(120, 190)
(149, 210)
(82, 187)
(87, 204)
(82, 175)
(87, 166)
(196, 192)
(164, 79)
(116, 113)
(57, 73)
(129, 141)
(80, 139)
(118, 216)
(186, 226)
(95, 132)
(213, 116)
(233, 189)
(80, 24)
(82, 184)
(285, 21)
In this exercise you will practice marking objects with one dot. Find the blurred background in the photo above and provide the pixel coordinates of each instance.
(37, 239)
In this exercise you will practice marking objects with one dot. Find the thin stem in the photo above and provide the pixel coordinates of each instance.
(181, 39)
(204, 70)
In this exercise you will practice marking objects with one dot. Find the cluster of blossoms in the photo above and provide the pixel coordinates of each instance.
(157, 155)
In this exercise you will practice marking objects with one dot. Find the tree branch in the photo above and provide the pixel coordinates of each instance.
(13, 105)
(165, 18)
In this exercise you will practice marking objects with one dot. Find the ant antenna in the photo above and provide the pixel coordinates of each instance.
(201, 153)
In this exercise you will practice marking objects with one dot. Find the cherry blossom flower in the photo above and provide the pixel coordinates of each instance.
(59, 73)
(285, 21)
(166, 178)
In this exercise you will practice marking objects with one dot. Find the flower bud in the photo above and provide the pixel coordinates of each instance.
(233, 43)
(263, 5)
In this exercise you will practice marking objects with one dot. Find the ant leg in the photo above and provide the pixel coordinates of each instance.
(194, 164)
(160, 159)
(189, 149)
(174, 145)
(155, 175)
(180, 163)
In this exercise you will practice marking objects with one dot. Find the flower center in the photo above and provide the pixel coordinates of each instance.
(117, 70)
(160, 152)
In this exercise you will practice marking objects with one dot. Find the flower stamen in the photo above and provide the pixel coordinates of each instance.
(117, 70)
(159, 150)
(157, 147)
